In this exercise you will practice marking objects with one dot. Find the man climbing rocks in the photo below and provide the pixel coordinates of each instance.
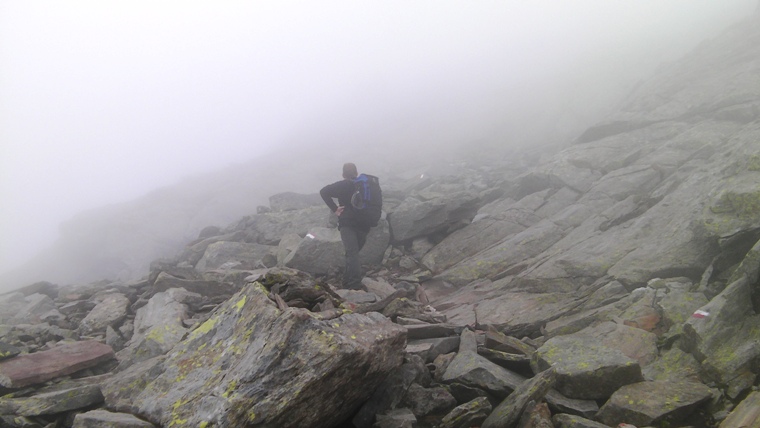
(353, 232)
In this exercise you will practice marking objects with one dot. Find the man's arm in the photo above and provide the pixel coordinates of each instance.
(328, 193)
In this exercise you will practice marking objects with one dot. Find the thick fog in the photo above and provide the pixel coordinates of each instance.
(103, 101)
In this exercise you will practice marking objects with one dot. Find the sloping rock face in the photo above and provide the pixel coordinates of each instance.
(281, 368)
(660, 197)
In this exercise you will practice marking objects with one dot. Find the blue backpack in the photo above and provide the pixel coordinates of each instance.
(367, 199)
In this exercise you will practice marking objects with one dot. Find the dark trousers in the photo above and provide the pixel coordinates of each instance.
(353, 240)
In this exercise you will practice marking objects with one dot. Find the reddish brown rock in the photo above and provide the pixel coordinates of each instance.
(30, 369)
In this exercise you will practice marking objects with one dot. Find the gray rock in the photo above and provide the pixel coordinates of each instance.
(41, 287)
(8, 351)
(653, 403)
(522, 314)
(673, 364)
(507, 413)
(110, 311)
(723, 336)
(320, 250)
(428, 401)
(105, 419)
(158, 327)
(378, 240)
(171, 268)
(564, 420)
(229, 255)
(415, 218)
(269, 228)
(678, 305)
(493, 223)
(10, 304)
(586, 369)
(501, 342)
(279, 367)
(471, 413)
(114, 339)
(165, 282)
(136, 376)
(511, 251)
(396, 418)
(194, 252)
(516, 362)
(79, 306)
(430, 349)
(48, 403)
(420, 247)
(634, 343)
(287, 245)
(427, 331)
(745, 414)
(391, 391)
(36, 305)
(470, 369)
(378, 286)
(561, 404)
(536, 415)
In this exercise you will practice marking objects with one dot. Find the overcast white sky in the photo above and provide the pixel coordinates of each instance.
(102, 101)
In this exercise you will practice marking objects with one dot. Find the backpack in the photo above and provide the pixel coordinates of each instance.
(367, 199)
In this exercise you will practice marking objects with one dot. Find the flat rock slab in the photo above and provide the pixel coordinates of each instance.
(586, 369)
(104, 418)
(30, 369)
(52, 402)
(649, 403)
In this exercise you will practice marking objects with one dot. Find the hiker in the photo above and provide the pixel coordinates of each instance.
(353, 231)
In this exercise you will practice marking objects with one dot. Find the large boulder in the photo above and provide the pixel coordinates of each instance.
(280, 368)
(318, 252)
(321, 250)
(269, 228)
(653, 403)
(723, 335)
(585, 368)
(414, 218)
(112, 309)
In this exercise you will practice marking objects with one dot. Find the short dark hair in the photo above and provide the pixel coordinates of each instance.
(349, 171)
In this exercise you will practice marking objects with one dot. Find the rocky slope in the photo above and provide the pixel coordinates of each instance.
(616, 282)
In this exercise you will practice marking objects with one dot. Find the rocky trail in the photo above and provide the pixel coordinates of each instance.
(613, 281)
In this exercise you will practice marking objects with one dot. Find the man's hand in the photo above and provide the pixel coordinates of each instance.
(339, 210)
